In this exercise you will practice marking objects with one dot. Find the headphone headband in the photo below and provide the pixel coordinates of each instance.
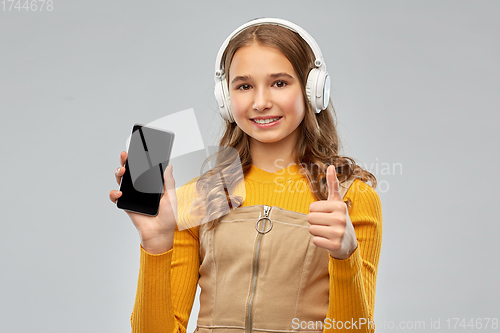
(319, 62)
(317, 87)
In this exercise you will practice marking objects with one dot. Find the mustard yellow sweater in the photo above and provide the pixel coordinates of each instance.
(167, 282)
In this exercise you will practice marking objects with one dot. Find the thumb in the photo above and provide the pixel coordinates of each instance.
(169, 188)
(332, 183)
(168, 179)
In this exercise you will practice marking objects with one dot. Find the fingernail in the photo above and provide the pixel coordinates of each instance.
(117, 172)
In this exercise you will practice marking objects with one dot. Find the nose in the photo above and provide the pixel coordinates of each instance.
(262, 100)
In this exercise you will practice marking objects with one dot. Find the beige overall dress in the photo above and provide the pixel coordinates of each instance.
(259, 270)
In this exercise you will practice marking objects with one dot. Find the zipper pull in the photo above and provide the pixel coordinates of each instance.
(264, 218)
(266, 211)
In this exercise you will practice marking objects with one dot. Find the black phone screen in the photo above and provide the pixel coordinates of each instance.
(148, 156)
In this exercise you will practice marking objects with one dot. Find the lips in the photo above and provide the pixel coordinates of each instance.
(266, 119)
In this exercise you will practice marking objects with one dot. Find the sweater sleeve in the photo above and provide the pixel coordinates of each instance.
(353, 280)
(167, 282)
(166, 287)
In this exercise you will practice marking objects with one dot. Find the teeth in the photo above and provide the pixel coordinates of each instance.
(265, 121)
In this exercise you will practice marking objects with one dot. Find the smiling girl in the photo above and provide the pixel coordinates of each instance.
(300, 252)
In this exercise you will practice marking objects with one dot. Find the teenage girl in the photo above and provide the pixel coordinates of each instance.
(301, 250)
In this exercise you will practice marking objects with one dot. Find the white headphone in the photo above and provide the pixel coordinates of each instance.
(318, 80)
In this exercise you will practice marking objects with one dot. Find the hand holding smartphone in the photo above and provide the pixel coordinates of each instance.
(153, 214)
(148, 156)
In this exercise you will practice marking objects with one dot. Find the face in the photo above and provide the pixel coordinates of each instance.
(266, 96)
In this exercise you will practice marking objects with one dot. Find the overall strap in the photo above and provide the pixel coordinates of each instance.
(344, 186)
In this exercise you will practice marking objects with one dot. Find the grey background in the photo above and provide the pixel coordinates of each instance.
(415, 85)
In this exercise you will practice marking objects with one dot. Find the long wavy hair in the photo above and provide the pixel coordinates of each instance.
(318, 145)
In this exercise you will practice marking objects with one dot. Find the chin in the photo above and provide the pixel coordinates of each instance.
(268, 140)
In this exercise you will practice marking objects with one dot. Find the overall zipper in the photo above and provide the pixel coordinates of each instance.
(265, 218)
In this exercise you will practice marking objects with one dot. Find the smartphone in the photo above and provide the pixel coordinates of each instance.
(142, 183)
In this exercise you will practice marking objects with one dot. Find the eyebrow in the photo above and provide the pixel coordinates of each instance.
(273, 76)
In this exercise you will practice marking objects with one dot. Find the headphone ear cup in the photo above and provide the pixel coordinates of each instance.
(223, 102)
(312, 78)
(318, 89)
(227, 100)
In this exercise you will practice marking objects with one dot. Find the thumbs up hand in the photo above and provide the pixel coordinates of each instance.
(330, 223)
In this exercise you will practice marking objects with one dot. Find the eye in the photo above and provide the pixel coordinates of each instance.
(244, 86)
(279, 84)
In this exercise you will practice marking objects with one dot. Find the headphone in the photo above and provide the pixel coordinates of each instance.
(318, 80)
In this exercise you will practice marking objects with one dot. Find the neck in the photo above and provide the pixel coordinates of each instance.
(272, 156)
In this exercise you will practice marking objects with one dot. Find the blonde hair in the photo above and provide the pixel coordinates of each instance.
(318, 145)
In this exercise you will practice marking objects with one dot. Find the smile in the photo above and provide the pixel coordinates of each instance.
(266, 121)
